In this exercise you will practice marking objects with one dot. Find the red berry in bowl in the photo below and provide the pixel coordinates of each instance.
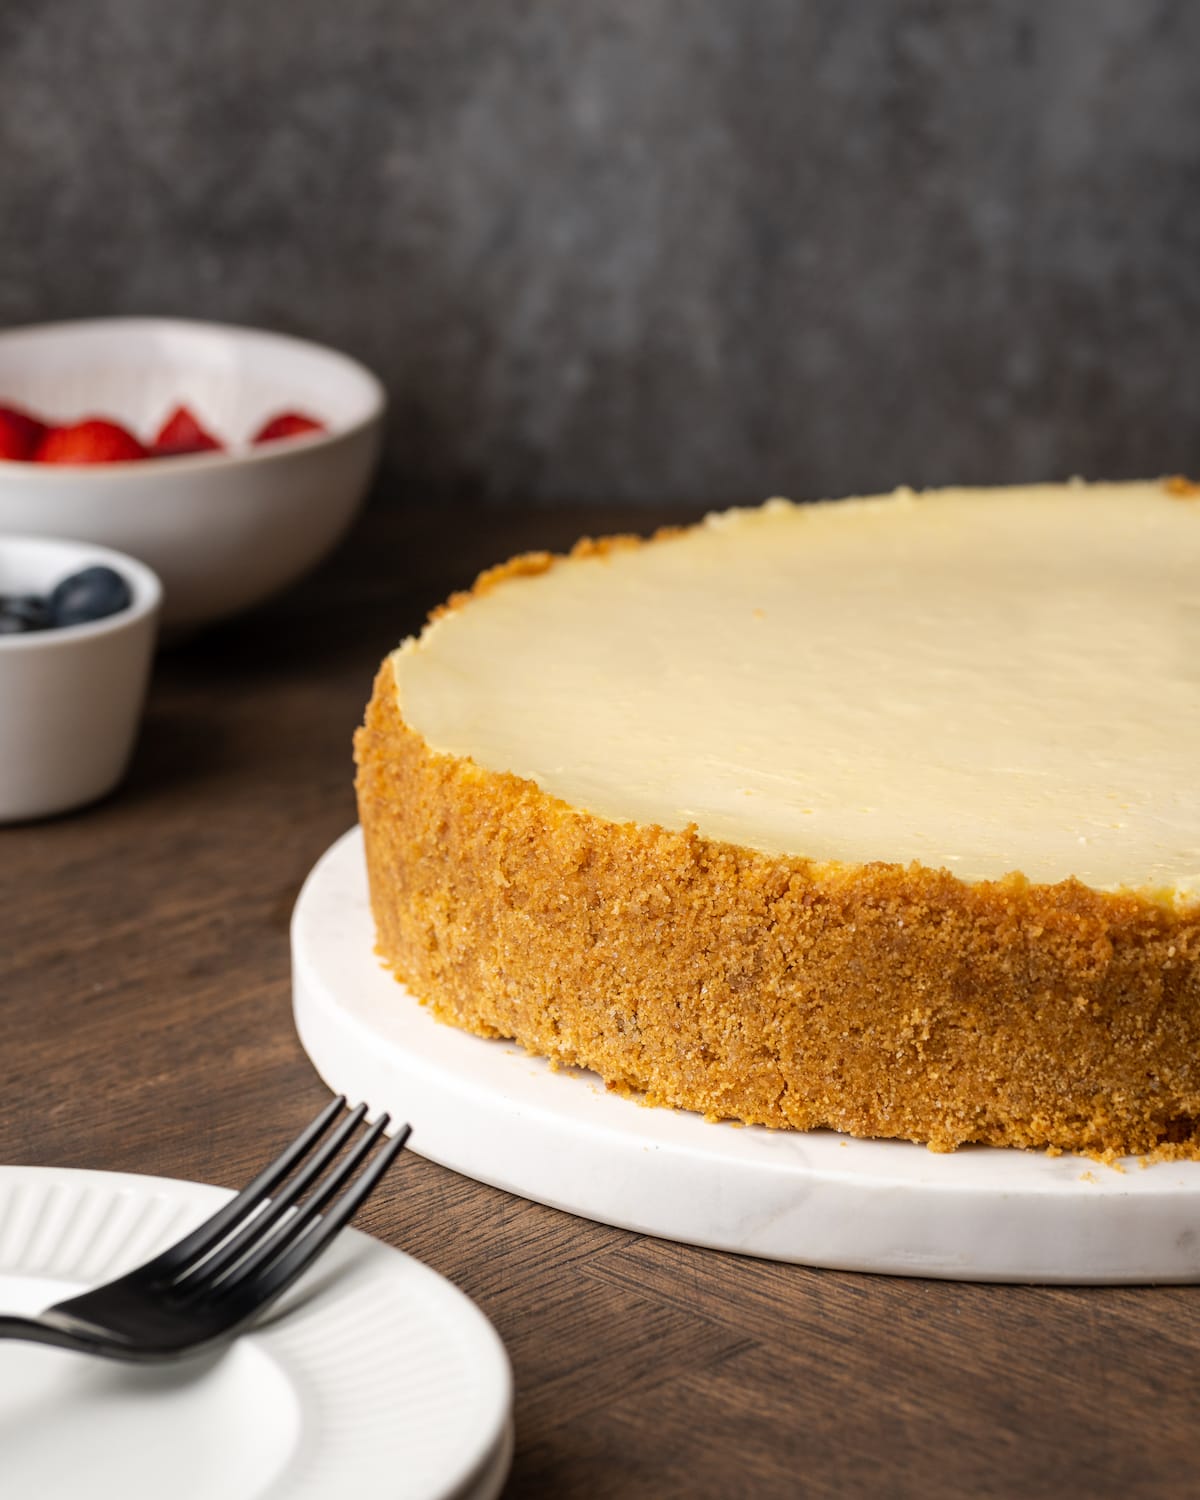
(94, 441)
(20, 433)
(287, 424)
(182, 433)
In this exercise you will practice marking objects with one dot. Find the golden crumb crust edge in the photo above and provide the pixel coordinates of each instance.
(530, 564)
(881, 1000)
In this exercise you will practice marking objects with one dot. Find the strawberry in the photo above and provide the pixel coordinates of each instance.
(94, 441)
(182, 433)
(286, 425)
(20, 433)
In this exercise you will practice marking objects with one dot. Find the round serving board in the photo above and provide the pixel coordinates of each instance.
(489, 1110)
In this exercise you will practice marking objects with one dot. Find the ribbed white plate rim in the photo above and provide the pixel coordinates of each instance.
(397, 1380)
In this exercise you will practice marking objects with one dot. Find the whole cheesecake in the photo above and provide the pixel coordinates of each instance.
(880, 815)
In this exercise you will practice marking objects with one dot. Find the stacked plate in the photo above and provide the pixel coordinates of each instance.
(374, 1376)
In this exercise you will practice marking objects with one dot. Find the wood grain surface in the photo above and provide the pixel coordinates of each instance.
(145, 1014)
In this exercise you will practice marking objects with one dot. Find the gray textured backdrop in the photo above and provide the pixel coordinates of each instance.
(647, 249)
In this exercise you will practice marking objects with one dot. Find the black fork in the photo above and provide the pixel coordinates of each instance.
(227, 1271)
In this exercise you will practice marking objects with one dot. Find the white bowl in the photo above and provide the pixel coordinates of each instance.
(222, 530)
(70, 698)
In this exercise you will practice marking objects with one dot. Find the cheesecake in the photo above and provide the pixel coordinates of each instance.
(879, 815)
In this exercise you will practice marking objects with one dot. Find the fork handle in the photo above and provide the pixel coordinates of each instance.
(42, 1331)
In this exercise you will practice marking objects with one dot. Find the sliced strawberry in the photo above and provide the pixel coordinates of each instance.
(94, 441)
(20, 433)
(287, 424)
(182, 433)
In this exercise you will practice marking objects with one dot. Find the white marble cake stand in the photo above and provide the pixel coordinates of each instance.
(487, 1109)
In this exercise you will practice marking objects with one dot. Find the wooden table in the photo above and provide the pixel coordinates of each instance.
(144, 996)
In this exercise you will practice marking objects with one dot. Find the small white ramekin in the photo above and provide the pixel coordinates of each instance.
(71, 698)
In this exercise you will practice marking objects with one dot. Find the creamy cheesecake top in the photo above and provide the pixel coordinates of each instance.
(987, 681)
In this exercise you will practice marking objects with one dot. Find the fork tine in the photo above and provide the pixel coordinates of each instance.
(293, 1228)
(301, 1248)
(214, 1229)
(210, 1268)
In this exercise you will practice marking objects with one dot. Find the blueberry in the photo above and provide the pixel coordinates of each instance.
(22, 612)
(92, 594)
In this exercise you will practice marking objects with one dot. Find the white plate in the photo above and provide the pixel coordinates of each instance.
(374, 1376)
(489, 1110)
